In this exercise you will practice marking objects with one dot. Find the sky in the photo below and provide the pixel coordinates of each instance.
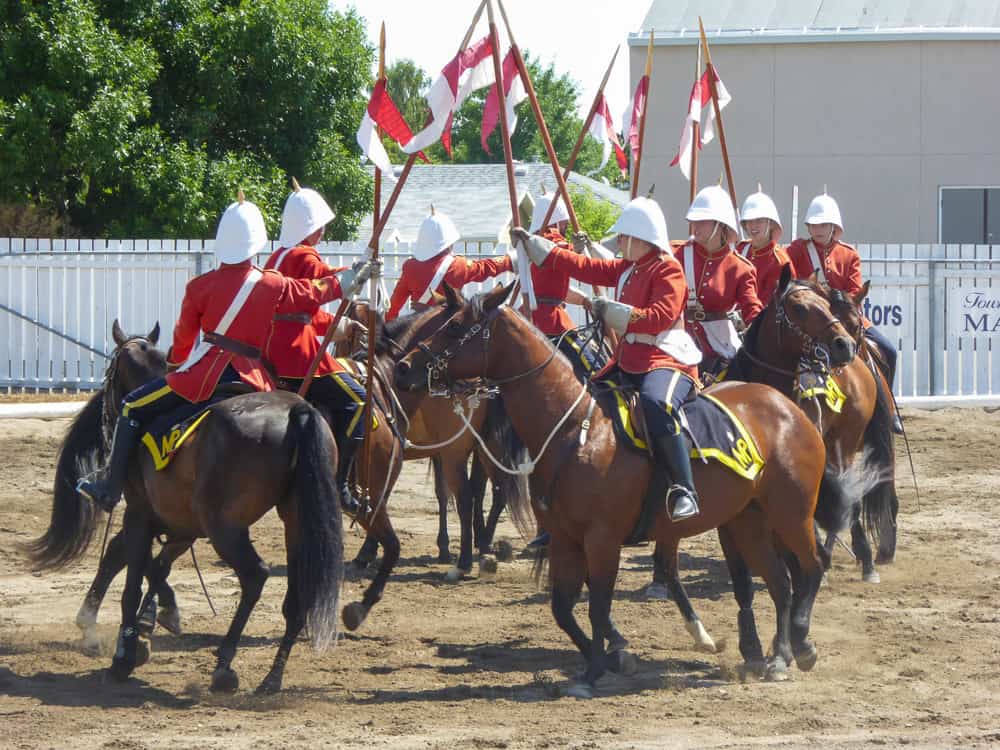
(578, 36)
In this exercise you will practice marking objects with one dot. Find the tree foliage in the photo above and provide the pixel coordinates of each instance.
(594, 214)
(132, 118)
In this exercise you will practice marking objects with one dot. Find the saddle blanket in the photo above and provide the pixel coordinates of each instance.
(712, 431)
(819, 384)
(167, 433)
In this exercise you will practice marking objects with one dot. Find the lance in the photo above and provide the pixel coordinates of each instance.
(712, 78)
(583, 134)
(377, 231)
(642, 117)
(695, 133)
(515, 216)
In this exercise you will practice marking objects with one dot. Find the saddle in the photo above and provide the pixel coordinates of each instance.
(167, 433)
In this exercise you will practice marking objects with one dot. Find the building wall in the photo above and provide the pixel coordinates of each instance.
(881, 124)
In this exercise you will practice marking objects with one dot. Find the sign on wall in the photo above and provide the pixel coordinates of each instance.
(974, 312)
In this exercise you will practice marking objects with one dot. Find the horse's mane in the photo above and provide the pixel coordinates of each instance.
(395, 335)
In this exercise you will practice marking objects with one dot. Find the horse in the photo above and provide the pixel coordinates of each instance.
(593, 493)
(434, 430)
(253, 452)
(881, 525)
(774, 351)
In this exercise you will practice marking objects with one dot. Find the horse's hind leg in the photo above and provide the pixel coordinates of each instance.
(355, 613)
(805, 586)
(441, 491)
(235, 548)
(367, 554)
(167, 613)
(750, 646)
(862, 549)
(566, 574)
(294, 616)
(111, 565)
(602, 572)
(667, 553)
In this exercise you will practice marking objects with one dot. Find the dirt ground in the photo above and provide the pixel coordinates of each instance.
(914, 660)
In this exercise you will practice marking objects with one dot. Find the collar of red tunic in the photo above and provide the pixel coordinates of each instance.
(242, 265)
(651, 257)
(718, 254)
(766, 250)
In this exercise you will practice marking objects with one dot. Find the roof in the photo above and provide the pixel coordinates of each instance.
(474, 196)
(743, 21)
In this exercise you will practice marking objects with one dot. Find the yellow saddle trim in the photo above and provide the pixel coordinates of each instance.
(745, 458)
(170, 443)
(830, 391)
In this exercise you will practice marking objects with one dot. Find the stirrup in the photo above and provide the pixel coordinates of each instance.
(95, 490)
(684, 505)
(540, 541)
(897, 424)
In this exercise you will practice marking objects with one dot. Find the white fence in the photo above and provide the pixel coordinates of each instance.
(58, 298)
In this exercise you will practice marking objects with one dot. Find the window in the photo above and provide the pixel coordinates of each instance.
(969, 215)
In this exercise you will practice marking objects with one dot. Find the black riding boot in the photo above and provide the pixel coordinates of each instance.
(105, 489)
(672, 453)
(348, 449)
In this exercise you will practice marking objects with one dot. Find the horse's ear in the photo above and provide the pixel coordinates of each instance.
(154, 335)
(786, 276)
(452, 297)
(497, 297)
(860, 296)
(814, 278)
(117, 334)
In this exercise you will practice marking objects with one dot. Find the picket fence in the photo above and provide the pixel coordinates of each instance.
(58, 299)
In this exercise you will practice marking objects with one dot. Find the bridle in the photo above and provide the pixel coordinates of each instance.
(812, 349)
(110, 387)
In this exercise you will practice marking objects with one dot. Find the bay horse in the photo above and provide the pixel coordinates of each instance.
(254, 452)
(857, 437)
(435, 431)
(594, 492)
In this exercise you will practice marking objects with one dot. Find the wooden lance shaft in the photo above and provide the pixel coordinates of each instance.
(642, 117)
(377, 231)
(712, 76)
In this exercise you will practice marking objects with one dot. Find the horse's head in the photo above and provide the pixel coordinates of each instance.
(458, 344)
(134, 362)
(848, 309)
(807, 325)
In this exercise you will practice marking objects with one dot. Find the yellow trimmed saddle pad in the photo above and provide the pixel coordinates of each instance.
(820, 385)
(713, 432)
(168, 433)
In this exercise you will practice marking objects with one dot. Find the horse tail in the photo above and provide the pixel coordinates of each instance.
(513, 453)
(319, 559)
(879, 499)
(833, 509)
(73, 519)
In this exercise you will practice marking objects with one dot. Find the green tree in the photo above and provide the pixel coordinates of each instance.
(145, 118)
(594, 214)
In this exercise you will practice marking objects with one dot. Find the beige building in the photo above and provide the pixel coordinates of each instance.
(893, 105)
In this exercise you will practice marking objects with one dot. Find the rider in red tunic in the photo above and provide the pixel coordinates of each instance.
(838, 265)
(655, 353)
(296, 338)
(760, 221)
(718, 280)
(433, 264)
(231, 307)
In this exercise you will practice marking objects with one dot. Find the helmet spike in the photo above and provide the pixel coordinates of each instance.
(295, 184)
(652, 189)
(759, 188)
(432, 210)
(240, 197)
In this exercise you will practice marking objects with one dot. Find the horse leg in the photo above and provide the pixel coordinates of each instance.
(111, 565)
(234, 547)
(805, 586)
(138, 542)
(658, 589)
(477, 488)
(166, 614)
(355, 613)
(862, 548)
(455, 472)
(602, 572)
(441, 490)
(367, 554)
(290, 608)
(750, 646)
(566, 574)
(671, 577)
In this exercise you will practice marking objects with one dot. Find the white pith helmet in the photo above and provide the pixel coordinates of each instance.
(824, 210)
(760, 206)
(643, 219)
(713, 204)
(305, 212)
(241, 233)
(559, 213)
(437, 232)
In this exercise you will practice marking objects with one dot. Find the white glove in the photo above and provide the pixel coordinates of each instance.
(538, 248)
(346, 328)
(616, 314)
(512, 254)
(352, 279)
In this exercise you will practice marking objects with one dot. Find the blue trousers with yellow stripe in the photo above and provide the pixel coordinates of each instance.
(661, 394)
(343, 396)
(156, 398)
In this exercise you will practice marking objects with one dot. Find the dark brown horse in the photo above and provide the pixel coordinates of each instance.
(593, 493)
(774, 352)
(254, 452)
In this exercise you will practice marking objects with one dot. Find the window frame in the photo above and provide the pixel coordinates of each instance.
(940, 209)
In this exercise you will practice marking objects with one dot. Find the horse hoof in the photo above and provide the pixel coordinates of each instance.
(581, 690)
(776, 671)
(147, 619)
(504, 550)
(454, 574)
(353, 615)
(143, 650)
(86, 618)
(119, 670)
(807, 658)
(444, 556)
(270, 686)
(871, 576)
(751, 670)
(170, 619)
(657, 592)
(224, 680)
(623, 663)
(702, 640)
(487, 566)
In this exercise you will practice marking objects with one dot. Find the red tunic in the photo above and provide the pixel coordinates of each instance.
(655, 289)
(841, 264)
(768, 262)
(721, 282)
(292, 345)
(551, 320)
(207, 299)
(417, 274)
